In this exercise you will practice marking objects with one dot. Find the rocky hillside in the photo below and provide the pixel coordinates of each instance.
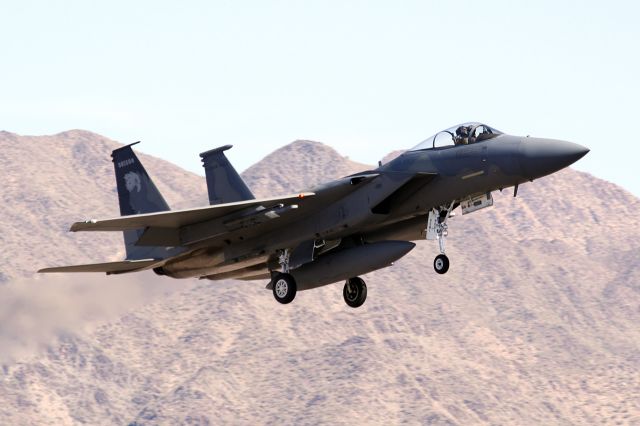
(51, 181)
(298, 166)
(535, 323)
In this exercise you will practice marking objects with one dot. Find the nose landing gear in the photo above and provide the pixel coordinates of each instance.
(437, 229)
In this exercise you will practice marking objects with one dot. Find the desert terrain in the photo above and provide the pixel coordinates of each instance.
(535, 323)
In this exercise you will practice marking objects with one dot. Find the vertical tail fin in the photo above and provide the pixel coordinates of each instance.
(137, 194)
(223, 182)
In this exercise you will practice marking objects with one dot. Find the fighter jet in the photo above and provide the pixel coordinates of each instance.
(334, 232)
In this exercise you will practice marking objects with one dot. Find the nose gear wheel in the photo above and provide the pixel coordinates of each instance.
(441, 264)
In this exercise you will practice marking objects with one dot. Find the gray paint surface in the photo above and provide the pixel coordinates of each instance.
(334, 230)
(224, 184)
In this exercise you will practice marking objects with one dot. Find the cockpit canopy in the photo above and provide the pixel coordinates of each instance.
(462, 134)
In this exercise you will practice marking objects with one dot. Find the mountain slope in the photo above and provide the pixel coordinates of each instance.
(298, 166)
(535, 323)
(52, 181)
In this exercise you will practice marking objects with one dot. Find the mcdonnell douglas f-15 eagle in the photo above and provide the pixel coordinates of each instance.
(334, 232)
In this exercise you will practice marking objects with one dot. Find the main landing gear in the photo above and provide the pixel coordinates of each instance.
(284, 285)
(355, 292)
(437, 228)
(285, 288)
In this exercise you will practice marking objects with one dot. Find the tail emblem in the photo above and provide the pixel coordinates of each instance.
(132, 181)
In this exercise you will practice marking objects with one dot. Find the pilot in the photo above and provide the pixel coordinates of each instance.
(462, 135)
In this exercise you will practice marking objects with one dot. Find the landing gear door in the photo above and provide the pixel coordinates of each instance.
(432, 222)
(473, 204)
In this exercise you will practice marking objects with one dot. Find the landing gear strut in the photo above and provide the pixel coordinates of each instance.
(437, 228)
(284, 285)
(355, 292)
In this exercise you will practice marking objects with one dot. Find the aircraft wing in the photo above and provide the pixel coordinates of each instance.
(178, 218)
(119, 267)
(192, 226)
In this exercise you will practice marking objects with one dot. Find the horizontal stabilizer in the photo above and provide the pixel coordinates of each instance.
(109, 267)
(178, 218)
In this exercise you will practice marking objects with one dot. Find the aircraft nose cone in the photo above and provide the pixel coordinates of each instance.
(541, 157)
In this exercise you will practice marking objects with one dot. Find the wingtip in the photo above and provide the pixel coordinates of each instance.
(79, 226)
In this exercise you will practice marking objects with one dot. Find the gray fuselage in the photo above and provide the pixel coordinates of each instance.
(388, 203)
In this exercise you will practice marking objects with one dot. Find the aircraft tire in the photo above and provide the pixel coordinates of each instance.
(355, 292)
(284, 288)
(441, 264)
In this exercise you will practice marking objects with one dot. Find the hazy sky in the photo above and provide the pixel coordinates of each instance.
(366, 77)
